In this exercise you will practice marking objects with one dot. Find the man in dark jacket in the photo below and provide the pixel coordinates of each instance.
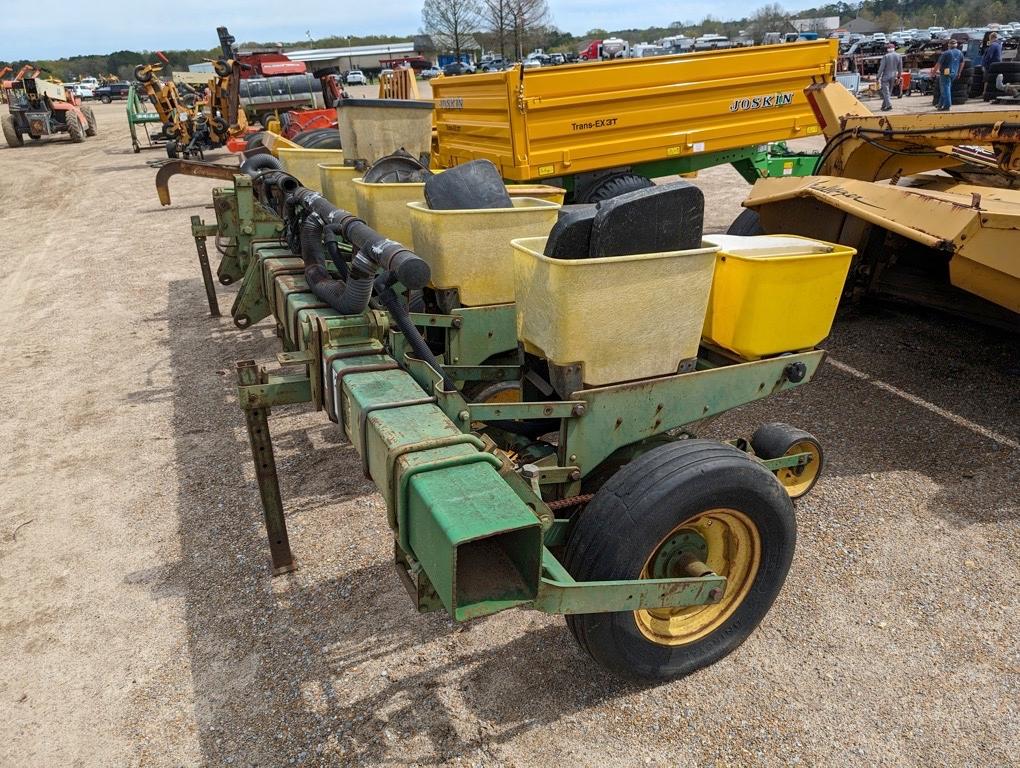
(992, 54)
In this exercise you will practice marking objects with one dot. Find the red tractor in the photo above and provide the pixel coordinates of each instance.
(43, 108)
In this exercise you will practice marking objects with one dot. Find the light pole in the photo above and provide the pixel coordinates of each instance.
(350, 60)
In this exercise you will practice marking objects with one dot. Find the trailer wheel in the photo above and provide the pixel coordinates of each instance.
(748, 223)
(11, 133)
(698, 496)
(74, 128)
(90, 118)
(615, 186)
(773, 440)
(141, 75)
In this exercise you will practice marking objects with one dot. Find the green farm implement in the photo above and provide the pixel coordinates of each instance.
(513, 479)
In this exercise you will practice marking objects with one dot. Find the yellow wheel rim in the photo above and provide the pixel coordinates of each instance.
(501, 394)
(798, 480)
(733, 550)
(493, 394)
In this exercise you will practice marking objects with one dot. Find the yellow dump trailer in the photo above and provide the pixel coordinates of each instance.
(645, 117)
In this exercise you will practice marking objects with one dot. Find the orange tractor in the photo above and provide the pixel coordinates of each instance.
(40, 108)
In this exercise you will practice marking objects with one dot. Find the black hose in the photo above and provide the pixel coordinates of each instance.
(347, 298)
(333, 249)
(389, 299)
(388, 254)
(261, 162)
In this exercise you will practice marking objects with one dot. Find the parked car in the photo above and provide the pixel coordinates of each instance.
(494, 65)
(356, 77)
(428, 74)
(111, 91)
(79, 90)
(458, 68)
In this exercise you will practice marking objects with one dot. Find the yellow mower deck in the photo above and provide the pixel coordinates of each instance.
(875, 191)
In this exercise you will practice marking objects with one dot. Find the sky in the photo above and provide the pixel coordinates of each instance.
(73, 27)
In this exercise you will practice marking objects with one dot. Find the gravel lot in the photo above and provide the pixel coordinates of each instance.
(140, 626)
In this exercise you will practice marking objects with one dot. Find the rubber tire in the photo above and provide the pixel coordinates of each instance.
(615, 186)
(773, 439)
(318, 138)
(171, 149)
(74, 128)
(959, 99)
(106, 99)
(1010, 71)
(1005, 68)
(747, 224)
(255, 140)
(90, 118)
(11, 133)
(330, 140)
(301, 137)
(139, 75)
(221, 68)
(636, 509)
(33, 137)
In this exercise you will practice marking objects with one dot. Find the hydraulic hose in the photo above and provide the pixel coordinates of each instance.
(333, 249)
(372, 252)
(389, 255)
(347, 298)
(389, 299)
(262, 162)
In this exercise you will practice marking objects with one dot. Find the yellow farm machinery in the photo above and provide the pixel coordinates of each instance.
(601, 129)
(190, 126)
(930, 202)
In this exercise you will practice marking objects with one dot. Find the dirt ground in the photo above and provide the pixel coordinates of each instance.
(140, 626)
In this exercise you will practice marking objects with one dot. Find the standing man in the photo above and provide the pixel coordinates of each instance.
(950, 65)
(992, 54)
(889, 71)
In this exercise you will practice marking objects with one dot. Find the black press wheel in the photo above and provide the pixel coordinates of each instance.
(142, 75)
(221, 68)
(614, 186)
(688, 498)
(746, 224)
(171, 149)
(774, 440)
